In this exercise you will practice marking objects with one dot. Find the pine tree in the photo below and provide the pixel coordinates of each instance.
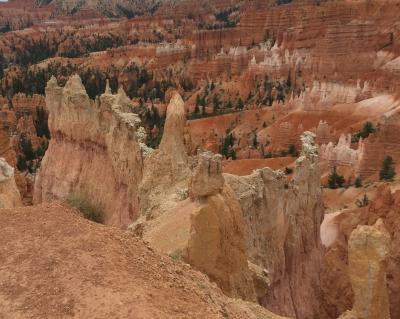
(387, 171)
(240, 104)
(292, 150)
(358, 182)
(335, 180)
(215, 104)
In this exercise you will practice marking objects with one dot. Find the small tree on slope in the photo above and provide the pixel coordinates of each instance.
(387, 171)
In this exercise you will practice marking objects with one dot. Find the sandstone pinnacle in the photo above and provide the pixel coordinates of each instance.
(173, 138)
(368, 254)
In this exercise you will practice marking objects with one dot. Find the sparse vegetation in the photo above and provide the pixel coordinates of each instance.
(226, 147)
(358, 182)
(292, 151)
(387, 172)
(367, 129)
(335, 180)
(86, 207)
(363, 202)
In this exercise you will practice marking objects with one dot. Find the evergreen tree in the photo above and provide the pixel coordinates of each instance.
(255, 142)
(240, 104)
(335, 180)
(367, 129)
(387, 171)
(216, 104)
(26, 147)
(292, 150)
(358, 182)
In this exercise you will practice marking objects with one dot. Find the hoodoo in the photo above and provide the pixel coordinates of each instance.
(94, 151)
(368, 257)
(242, 157)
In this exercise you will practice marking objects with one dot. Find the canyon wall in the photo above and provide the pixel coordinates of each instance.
(282, 221)
(94, 143)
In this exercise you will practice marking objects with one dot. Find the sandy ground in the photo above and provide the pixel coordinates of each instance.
(55, 264)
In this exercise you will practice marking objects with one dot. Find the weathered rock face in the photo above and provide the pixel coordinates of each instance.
(282, 221)
(206, 179)
(166, 170)
(369, 248)
(336, 281)
(94, 151)
(340, 154)
(205, 230)
(9, 194)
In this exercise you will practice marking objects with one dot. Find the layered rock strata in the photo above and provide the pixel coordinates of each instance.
(374, 149)
(94, 152)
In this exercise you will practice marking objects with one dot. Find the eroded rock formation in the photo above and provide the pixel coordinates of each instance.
(282, 221)
(94, 151)
(336, 281)
(369, 248)
(166, 170)
(340, 154)
(9, 194)
(205, 229)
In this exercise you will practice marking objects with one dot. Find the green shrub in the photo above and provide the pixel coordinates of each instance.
(86, 207)
(358, 182)
(335, 180)
(387, 172)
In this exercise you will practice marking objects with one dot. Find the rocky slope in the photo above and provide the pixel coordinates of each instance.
(57, 264)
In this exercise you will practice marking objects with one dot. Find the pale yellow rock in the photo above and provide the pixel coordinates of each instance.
(166, 170)
(9, 194)
(207, 177)
(368, 256)
(282, 221)
(94, 151)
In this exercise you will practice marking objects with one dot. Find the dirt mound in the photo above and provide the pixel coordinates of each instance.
(55, 264)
